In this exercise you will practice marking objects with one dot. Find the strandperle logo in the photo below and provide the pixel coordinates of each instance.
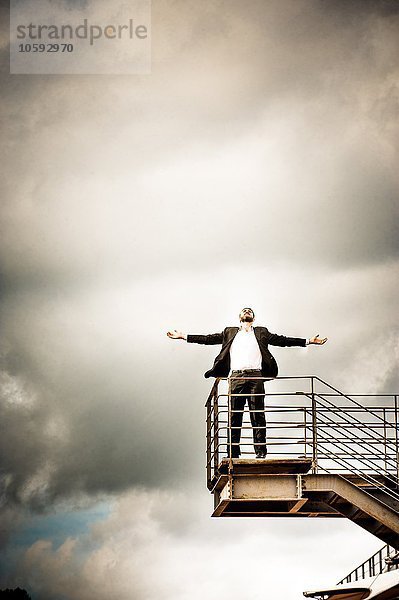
(90, 37)
(84, 31)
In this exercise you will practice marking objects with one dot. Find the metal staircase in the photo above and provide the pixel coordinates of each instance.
(385, 560)
(329, 455)
(376, 578)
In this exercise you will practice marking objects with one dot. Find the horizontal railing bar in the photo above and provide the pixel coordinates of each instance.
(300, 393)
(349, 426)
(333, 408)
(363, 395)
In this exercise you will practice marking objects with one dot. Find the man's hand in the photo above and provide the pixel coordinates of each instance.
(176, 335)
(317, 340)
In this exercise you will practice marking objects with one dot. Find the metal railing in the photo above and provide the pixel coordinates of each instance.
(382, 561)
(308, 418)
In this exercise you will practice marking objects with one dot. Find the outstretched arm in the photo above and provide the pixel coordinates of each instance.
(281, 340)
(213, 338)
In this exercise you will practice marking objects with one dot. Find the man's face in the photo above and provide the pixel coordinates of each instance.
(247, 315)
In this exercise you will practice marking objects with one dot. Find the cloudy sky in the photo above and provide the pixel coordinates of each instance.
(256, 165)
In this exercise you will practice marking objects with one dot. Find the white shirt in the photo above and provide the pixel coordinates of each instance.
(245, 352)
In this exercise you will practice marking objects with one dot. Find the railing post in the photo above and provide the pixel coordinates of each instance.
(229, 446)
(216, 426)
(212, 435)
(305, 431)
(385, 440)
(208, 440)
(314, 429)
(396, 440)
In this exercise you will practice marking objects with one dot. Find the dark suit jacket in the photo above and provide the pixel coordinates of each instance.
(221, 366)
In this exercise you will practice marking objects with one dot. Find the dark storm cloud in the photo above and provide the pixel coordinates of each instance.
(98, 400)
(296, 88)
(353, 9)
(87, 412)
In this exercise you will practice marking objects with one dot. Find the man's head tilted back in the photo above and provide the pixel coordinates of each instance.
(247, 315)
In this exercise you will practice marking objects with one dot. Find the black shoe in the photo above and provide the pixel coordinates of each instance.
(261, 455)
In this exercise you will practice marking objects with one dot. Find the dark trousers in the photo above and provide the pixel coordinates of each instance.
(256, 405)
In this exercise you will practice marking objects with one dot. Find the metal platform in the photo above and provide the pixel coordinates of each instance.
(285, 488)
(266, 466)
(346, 467)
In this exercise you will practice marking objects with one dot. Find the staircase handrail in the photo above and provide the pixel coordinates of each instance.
(374, 567)
(365, 476)
(350, 397)
(360, 442)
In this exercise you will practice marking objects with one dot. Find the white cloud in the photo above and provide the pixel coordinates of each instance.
(135, 553)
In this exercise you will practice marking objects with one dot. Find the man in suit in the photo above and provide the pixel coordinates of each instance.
(245, 358)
